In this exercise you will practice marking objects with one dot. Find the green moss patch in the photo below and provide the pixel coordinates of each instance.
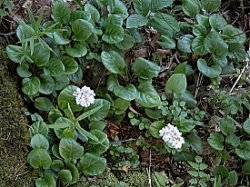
(13, 133)
(111, 179)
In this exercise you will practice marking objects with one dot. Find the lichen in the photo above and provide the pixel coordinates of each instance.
(14, 171)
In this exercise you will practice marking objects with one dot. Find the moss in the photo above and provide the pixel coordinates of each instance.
(135, 178)
(106, 179)
(14, 171)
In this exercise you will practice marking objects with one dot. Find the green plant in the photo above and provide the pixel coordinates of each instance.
(198, 174)
(231, 136)
(124, 156)
(91, 43)
(213, 41)
(73, 149)
(160, 179)
(148, 12)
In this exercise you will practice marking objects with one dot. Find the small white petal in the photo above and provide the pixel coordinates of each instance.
(84, 96)
(172, 136)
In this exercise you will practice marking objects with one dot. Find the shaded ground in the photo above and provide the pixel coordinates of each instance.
(13, 132)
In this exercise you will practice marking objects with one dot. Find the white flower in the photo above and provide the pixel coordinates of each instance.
(84, 96)
(172, 136)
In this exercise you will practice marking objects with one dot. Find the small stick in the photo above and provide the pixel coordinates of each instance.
(237, 80)
(134, 111)
(200, 77)
(149, 169)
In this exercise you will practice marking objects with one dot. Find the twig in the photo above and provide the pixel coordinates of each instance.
(134, 111)
(123, 141)
(237, 80)
(149, 169)
(7, 34)
(200, 77)
(242, 6)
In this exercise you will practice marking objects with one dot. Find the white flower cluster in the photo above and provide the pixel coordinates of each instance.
(172, 136)
(84, 96)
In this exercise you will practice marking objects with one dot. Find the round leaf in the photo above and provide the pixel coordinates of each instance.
(244, 150)
(217, 22)
(48, 180)
(100, 135)
(23, 70)
(61, 12)
(246, 167)
(65, 176)
(47, 84)
(155, 127)
(190, 7)
(118, 8)
(211, 5)
(166, 42)
(56, 67)
(233, 140)
(128, 92)
(38, 141)
(61, 82)
(82, 29)
(127, 43)
(30, 86)
(70, 65)
(214, 44)
(102, 112)
(114, 34)
(74, 172)
(234, 35)
(195, 142)
(39, 127)
(92, 165)
(15, 53)
(98, 149)
(211, 72)
(184, 43)
(177, 83)
(39, 158)
(136, 21)
(99, 125)
(215, 140)
(59, 39)
(40, 55)
(66, 97)
(113, 62)
(145, 69)
(95, 15)
(246, 126)
(43, 104)
(198, 46)
(70, 149)
(227, 125)
(77, 51)
(147, 95)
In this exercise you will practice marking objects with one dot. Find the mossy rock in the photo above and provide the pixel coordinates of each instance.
(14, 171)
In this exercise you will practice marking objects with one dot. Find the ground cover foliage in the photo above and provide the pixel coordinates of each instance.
(161, 71)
